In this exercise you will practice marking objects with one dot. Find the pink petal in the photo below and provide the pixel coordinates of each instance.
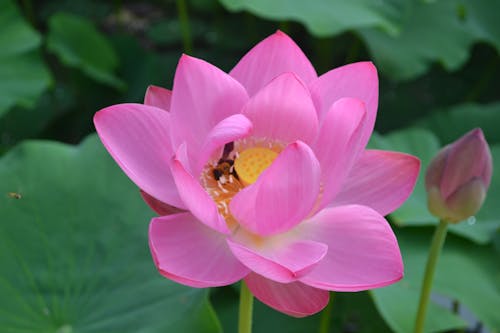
(280, 259)
(358, 80)
(362, 253)
(283, 111)
(195, 198)
(294, 299)
(282, 196)
(188, 252)
(382, 180)
(466, 200)
(159, 97)
(158, 206)
(138, 138)
(273, 56)
(466, 160)
(228, 130)
(338, 145)
(202, 96)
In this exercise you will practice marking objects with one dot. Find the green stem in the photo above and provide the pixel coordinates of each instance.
(29, 12)
(430, 268)
(246, 309)
(326, 316)
(118, 6)
(185, 30)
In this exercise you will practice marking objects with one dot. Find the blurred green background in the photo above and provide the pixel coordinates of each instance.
(73, 229)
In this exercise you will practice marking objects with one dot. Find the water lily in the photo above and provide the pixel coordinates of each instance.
(262, 174)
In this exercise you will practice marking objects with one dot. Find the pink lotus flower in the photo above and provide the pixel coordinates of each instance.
(265, 176)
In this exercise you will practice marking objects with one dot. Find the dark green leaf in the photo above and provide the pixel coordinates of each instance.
(451, 123)
(23, 75)
(22, 79)
(441, 31)
(325, 17)
(404, 37)
(17, 36)
(78, 44)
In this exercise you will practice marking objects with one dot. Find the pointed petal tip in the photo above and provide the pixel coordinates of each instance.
(369, 66)
(281, 35)
(365, 66)
(99, 115)
(274, 55)
(478, 134)
(279, 32)
(290, 78)
(186, 59)
(476, 131)
(158, 97)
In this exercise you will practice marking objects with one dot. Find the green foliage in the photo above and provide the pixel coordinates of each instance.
(404, 37)
(73, 249)
(78, 44)
(23, 74)
(351, 311)
(325, 17)
(441, 31)
(465, 272)
(453, 122)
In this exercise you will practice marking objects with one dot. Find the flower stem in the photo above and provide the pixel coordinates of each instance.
(246, 309)
(430, 268)
(29, 12)
(185, 29)
(326, 316)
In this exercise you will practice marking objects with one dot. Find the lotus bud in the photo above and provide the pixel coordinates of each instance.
(458, 178)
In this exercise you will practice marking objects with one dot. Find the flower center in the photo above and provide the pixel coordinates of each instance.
(252, 162)
(241, 163)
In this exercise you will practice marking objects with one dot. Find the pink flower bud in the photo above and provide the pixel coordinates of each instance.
(458, 178)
